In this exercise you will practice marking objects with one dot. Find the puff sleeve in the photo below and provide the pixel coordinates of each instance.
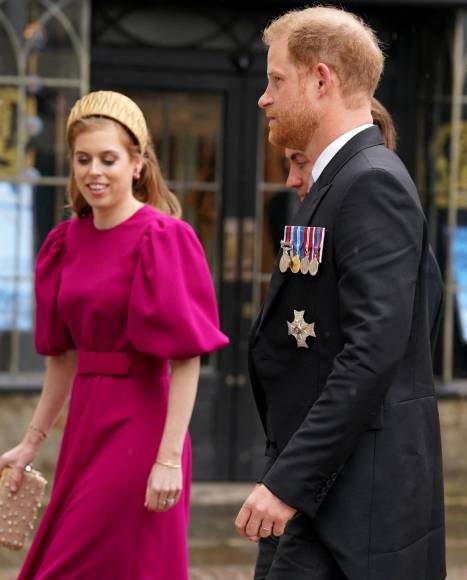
(172, 310)
(51, 334)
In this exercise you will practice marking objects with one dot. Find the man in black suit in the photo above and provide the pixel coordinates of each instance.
(340, 359)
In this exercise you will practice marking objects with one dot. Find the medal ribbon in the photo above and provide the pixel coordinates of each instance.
(286, 238)
(292, 237)
(300, 242)
(307, 244)
(297, 240)
(318, 243)
(321, 245)
(313, 243)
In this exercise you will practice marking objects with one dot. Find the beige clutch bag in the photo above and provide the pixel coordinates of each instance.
(19, 510)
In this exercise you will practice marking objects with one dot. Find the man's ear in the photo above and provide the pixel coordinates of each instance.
(323, 78)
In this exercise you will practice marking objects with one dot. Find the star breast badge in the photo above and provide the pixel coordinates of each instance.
(300, 329)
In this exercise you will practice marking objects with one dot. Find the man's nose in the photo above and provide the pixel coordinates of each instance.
(293, 181)
(264, 100)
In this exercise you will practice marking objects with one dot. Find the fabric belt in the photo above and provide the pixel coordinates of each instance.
(120, 364)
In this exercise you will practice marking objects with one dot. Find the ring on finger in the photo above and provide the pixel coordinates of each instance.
(266, 529)
(170, 502)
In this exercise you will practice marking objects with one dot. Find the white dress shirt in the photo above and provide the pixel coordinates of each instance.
(328, 153)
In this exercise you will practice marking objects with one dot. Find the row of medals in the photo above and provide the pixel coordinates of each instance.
(305, 265)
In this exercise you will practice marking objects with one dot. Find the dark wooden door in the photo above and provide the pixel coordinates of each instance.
(205, 130)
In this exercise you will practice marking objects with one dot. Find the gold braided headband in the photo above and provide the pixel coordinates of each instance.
(114, 106)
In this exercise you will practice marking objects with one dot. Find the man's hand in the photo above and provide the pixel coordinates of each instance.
(263, 514)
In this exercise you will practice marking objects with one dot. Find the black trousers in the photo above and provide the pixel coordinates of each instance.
(297, 555)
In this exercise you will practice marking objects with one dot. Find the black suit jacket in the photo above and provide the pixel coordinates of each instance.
(435, 299)
(352, 421)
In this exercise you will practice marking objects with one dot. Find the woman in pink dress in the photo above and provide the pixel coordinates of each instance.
(121, 289)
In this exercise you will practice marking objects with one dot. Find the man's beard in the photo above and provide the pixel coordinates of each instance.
(295, 129)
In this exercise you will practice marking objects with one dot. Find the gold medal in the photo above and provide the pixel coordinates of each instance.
(304, 265)
(284, 262)
(313, 269)
(295, 264)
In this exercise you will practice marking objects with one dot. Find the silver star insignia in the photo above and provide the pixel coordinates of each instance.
(300, 329)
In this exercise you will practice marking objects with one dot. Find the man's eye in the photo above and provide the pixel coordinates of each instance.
(273, 79)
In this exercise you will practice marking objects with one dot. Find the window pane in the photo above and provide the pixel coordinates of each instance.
(5, 346)
(50, 52)
(7, 52)
(16, 275)
(199, 209)
(47, 152)
(185, 128)
(186, 131)
(16, 256)
(194, 122)
(26, 216)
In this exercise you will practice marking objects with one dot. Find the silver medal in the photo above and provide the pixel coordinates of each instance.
(284, 262)
(314, 265)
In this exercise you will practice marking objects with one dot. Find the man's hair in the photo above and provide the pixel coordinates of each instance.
(337, 38)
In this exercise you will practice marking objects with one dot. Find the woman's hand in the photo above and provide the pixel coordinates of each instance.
(58, 380)
(18, 458)
(164, 488)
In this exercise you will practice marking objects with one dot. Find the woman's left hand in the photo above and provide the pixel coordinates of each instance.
(164, 488)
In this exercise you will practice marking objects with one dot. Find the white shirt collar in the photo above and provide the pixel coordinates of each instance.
(328, 153)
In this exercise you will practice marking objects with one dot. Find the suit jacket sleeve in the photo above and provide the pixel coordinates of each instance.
(378, 237)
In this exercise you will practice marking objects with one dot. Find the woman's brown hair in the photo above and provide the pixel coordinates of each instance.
(383, 119)
(149, 188)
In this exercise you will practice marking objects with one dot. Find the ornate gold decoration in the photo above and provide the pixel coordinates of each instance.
(440, 148)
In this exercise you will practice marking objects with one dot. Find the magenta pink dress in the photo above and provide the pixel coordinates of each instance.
(128, 299)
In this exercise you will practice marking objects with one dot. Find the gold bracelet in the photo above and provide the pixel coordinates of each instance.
(169, 464)
(40, 432)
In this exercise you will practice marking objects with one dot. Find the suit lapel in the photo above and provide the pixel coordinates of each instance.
(368, 138)
(310, 204)
(255, 326)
